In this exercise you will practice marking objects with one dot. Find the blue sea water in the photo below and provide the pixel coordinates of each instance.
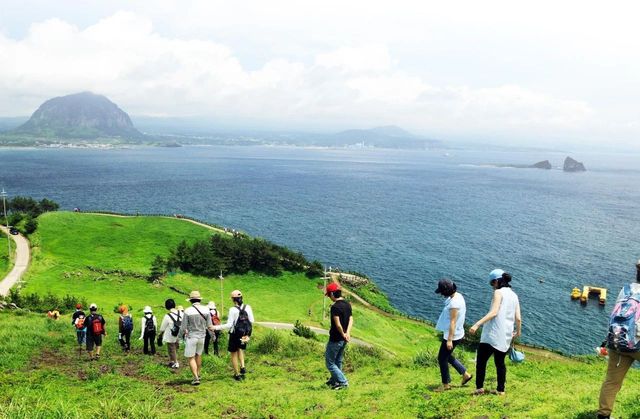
(405, 218)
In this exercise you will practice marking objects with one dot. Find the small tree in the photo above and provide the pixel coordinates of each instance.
(315, 269)
(31, 225)
(158, 268)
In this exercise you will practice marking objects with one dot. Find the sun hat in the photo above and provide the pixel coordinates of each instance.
(236, 294)
(211, 305)
(332, 287)
(147, 309)
(495, 274)
(445, 287)
(194, 295)
(93, 306)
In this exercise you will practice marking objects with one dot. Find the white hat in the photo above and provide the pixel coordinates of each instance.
(93, 306)
(212, 305)
(147, 309)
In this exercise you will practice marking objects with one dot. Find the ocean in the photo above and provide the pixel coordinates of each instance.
(405, 218)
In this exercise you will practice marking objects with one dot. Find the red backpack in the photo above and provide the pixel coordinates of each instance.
(80, 322)
(215, 319)
(96, 325)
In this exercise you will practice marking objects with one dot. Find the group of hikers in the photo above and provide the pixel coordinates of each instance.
(197, 327)
(503, 323)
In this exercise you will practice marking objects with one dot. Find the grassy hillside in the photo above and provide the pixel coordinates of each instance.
(5, 267)
(41, 374)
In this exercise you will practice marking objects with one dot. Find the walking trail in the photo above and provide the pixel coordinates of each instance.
(22, 257)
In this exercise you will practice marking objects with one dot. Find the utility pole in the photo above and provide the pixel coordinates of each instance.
(6, 222)
(221, 292)
(324, 297)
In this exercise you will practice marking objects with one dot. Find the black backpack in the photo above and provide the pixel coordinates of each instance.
(149, 327)
(243, 326)
(177, 323)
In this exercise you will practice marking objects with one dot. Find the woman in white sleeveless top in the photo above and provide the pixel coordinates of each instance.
(498, 330)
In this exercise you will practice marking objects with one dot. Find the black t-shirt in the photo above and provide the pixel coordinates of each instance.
(342, 309)
(75, 315)
(89, 322)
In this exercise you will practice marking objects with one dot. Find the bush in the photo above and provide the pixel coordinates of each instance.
(270, 343)
(35, 302)
(30, 226)
(426, 358)
(301, 330)
(358, 356)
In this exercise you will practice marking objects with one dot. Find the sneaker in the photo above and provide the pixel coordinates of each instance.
(175, 365)
(237, 377)
(329, 383)
(339, 386)
(196, 381)
(243, 371)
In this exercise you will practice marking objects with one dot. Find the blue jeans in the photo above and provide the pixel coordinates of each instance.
(333, 356)
(82, 336)
(445, 357)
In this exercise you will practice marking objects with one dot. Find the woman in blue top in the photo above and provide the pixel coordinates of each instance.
(498, 330)
(451, 323)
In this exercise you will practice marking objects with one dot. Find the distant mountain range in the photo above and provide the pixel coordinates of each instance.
(90, 118)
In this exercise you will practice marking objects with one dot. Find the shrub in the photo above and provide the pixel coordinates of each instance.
(35, 302)
(30, 226)
(358, 356)
(426, 358)
(270, 343)
(301, 330)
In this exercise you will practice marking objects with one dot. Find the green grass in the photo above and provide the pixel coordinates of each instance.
(42, 375)
(5, 266)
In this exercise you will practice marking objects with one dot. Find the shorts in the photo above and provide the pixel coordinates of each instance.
(235, 343)
(93, 340)
(193, 347)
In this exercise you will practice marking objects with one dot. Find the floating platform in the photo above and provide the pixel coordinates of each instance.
(588, 290)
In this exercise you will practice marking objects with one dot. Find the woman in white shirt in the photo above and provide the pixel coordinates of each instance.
(498, 330)
(148, 327)
(451, 324)
(171, 321)
(237, 340)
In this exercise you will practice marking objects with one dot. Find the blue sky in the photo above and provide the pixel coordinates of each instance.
(543, 73)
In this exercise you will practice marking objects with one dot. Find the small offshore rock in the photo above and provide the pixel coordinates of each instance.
(571, 165)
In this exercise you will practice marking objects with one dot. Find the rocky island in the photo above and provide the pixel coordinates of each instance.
(571, 165)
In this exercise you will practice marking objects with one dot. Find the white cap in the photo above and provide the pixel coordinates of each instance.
(211, 305)
(93, 306)
(147, 309)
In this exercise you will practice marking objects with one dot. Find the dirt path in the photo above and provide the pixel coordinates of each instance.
(219, 230)
(22, 257)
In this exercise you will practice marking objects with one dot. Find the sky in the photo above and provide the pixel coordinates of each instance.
(542, 73)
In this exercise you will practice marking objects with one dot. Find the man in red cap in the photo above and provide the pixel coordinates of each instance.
(339, 336)
(77, 320)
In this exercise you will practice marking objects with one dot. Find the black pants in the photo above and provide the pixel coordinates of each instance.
(149, 339)
(445, 357)
(126, 341)
(216, 343)
(484, 353)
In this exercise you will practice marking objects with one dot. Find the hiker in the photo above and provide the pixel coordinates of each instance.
(95, 330)
(195, 323)
(169, 330)
(54, 314)
(149, 325)
(213, 336)
(125, 328)
(339, 336)
(78, 321)
(451, 323)
(620, 360)
(240, 327)
(498, 330)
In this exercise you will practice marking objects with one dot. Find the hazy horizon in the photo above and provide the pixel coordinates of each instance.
(546, 75)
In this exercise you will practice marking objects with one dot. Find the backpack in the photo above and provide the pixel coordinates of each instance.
(149, 327)
(96, 325)
(80, 322)
(624, 323)
(127, 324)
(243, 326)
(176, 324)
(215, 319)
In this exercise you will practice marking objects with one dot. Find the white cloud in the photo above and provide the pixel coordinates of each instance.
(126, 58)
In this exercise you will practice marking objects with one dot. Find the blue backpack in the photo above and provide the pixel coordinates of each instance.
(127, 324)
(624, 321)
